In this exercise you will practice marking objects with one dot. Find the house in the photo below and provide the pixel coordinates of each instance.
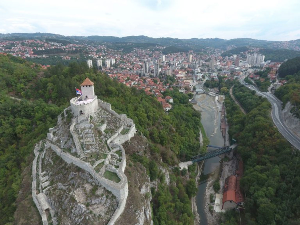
(169, 99)
(167, 107)
(232, 196)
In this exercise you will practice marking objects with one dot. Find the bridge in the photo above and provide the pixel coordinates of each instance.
(210, 154)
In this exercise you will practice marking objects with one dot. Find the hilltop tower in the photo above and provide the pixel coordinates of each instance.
(87, 102)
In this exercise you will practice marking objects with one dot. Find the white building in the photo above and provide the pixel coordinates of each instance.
(99, 63)
(255, 59)
(107, 63)
(89, 63)
(112, 61)
(87, 103)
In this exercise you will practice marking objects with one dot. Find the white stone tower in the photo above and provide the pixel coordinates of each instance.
(87, 103)
(87, 89)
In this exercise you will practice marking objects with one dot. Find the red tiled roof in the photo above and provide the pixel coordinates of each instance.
(230, 188)
(229, 196)
(87, 82)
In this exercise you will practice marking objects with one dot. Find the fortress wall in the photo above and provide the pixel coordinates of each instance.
(120, 139)
(75, 138)
(34, 183)
(116, 188)
(86, 108)
(120, 208)
(120, 190)
(123, 162)
(115, 135)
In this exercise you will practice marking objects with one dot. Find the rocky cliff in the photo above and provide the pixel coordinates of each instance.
(78, 171)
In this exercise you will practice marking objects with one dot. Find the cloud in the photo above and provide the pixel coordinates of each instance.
(155, 18)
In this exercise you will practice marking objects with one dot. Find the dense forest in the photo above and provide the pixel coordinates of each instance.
(271, 166)
(235, 51)
(275, 55)
(174, 49)
(289, 67)
(22, 124)
(278, 55)
(31, 99)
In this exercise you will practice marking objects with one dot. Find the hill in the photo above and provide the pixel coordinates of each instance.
(35, 98)
(279, 55)
(289, 67)
(193, 43)
(290, 92)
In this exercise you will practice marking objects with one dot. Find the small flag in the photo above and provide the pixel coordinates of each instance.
(78, 92)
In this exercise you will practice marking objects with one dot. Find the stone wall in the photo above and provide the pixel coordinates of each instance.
(115, 135)
(122, 138)
(75, 138)
(86, 108)
(120, 190)
(34, 183)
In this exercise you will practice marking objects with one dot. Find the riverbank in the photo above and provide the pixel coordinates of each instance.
(210, 108)
(211, 215)
(194, 203)
(217, 168)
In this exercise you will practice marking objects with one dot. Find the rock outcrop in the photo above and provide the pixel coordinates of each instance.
(82, 164)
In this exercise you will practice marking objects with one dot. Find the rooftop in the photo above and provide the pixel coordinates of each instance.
(87, 82)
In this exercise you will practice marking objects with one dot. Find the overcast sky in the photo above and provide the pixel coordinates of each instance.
(259, 19)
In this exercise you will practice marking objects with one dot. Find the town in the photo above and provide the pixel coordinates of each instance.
(148, 68)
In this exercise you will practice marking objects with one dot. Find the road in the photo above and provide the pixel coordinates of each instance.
(277, 115)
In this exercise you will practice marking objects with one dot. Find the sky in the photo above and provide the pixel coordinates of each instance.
(274, 20)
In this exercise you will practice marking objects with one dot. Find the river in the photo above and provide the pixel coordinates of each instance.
(210, 119)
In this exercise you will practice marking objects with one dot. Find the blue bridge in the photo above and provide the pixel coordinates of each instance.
(211, 154)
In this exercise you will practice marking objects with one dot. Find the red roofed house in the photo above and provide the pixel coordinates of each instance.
(169, 99)
(167, 107)
(232, 196)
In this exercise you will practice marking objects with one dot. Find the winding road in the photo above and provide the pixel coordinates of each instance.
(277, 116)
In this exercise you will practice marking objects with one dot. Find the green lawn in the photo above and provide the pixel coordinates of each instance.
(112, 176)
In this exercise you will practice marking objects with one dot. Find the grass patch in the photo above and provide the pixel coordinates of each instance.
(112, 176)
(108, 131)
(125, 131)
(98, 167)
(102, 156)
(119, 153)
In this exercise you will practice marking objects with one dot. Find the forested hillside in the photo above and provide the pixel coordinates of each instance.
(271, 166)
(22, 124)
(291, 92)
(278, 55)
(31, 99)
(290, 70)
(289, 67)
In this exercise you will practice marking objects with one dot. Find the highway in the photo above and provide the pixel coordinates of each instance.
(277, 116)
